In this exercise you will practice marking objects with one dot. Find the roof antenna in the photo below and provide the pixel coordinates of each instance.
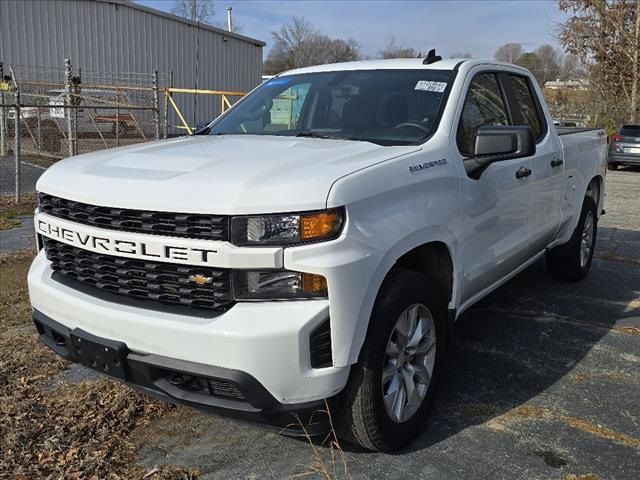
(431, 57)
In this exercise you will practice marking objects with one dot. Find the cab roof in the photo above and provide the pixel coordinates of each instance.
(394, 64)
(390, 64)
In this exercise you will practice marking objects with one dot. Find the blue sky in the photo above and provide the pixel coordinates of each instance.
(475, 26)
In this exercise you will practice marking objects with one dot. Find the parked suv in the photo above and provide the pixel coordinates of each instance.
(625, 147)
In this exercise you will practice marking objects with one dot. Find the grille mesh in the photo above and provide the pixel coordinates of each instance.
(224, 388)
(146, 280)
(208, 227)
(320, 345)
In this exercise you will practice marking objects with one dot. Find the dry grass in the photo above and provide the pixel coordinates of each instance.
(581, 476)
(328, 465)
(630, 330)
(9, 210)
(533, 412)
(57, 430)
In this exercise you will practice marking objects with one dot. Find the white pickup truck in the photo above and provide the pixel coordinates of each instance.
(273, 261)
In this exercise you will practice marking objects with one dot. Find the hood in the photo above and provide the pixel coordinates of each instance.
(235, 174)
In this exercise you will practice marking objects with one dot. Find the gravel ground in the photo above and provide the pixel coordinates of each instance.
(543, 382)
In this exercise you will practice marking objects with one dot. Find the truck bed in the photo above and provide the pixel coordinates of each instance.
(569, 130)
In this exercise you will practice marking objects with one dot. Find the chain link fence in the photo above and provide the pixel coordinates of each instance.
(51, 113)
(64, 113)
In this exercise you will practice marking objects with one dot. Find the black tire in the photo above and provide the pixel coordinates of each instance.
(613, 166)
(361, 417)
(564, 261)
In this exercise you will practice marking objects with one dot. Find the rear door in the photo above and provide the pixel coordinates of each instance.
(495, 236)
(548, 162)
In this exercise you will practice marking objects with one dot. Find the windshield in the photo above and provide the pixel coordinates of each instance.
(388, 107)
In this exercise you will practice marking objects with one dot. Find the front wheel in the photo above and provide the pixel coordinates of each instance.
(613, 166)
(391, 388)
(573, 260)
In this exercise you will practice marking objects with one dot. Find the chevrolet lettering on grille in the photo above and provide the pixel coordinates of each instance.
(111, 244)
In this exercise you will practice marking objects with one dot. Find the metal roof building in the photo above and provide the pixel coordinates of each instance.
(123, 41)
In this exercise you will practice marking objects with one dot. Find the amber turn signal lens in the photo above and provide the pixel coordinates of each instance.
(319, 225)
(312, 283)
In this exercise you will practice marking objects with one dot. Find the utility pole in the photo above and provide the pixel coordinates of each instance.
(16, 122)
(71, 128)
(156, 105)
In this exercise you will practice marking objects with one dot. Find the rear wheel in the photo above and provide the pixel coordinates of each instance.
(573, 260)
(391, 388)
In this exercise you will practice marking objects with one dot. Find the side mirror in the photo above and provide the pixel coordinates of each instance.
(498, 143)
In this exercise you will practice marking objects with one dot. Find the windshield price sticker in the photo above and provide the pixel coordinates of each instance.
(429, 86)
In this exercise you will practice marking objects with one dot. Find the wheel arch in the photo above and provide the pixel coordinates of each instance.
(435, 258)
(595, 190)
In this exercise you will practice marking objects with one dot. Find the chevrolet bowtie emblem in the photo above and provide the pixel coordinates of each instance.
(200, 279)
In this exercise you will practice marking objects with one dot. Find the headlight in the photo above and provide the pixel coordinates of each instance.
(287, 229)
(277, 285)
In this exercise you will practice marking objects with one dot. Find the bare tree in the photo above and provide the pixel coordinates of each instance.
(393, 50)
(509, 52)
(605, 36)
(300, 44)
(194, 10)
(549, 62)
(571, 68)
(531, 62)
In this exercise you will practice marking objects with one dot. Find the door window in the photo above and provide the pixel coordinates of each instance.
(484, 105)
(528, 108)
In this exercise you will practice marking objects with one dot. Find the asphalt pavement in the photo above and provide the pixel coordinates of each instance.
(19, 238)
(29, 174)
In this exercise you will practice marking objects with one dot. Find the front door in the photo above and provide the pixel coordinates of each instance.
(495, 238)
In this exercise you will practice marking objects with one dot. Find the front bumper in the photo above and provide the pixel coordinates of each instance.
(176, 381)
(266, 341)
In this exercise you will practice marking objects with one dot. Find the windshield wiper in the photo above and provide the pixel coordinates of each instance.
(310, 134)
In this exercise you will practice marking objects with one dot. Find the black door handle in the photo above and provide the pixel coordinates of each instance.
(523, 172)
(556, 162)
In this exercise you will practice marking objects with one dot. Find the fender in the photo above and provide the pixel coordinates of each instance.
(565, 233)
(430, 234)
